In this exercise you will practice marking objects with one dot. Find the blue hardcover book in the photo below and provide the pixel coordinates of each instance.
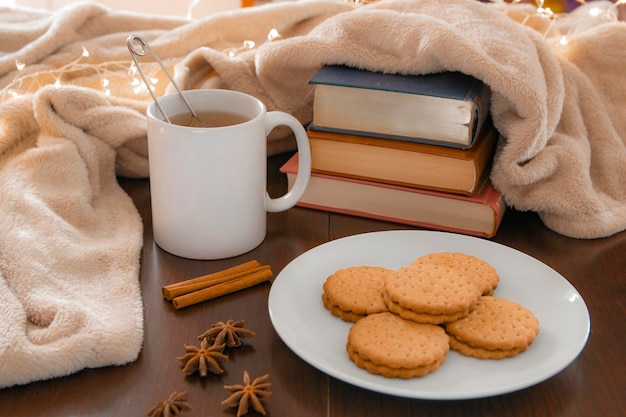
(447, 108)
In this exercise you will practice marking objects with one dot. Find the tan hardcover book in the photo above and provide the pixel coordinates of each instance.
(445, 108)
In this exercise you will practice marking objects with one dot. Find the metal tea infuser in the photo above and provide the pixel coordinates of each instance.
(130, 42)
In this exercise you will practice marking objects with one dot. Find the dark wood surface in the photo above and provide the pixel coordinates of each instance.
(594, 385)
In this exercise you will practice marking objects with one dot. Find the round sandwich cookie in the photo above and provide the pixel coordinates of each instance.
(428, 318)
(430, 293)
(388, 345)
(354, 292)
(485, 275)
(497, 328)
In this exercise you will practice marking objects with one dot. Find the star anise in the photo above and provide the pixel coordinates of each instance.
(250, 393)
(203, 359)
(230, 333)
(172, 407)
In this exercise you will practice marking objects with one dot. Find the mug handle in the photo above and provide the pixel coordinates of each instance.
(288, 200)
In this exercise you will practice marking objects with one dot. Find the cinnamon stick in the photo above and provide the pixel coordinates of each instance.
(170, 293)
(172, 290)
(214, 291)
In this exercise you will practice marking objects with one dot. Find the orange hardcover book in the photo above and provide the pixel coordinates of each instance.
(404, 163)
(477, 215)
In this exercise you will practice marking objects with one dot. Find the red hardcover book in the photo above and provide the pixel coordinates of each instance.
(477, 215)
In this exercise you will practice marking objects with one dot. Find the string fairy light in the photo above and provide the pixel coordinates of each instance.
(108, 75)
(77, 72)
(609, 13)
(272, 36)
(123, 75)
(361, 2)
(543, 11)
(245, 45)
(137, 85)
(562, 25)
(589, 15)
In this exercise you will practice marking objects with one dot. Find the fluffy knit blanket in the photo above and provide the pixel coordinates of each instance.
(72, 119)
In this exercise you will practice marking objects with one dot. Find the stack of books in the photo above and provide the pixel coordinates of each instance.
(415, 150)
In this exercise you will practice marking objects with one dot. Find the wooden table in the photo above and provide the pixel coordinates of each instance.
(594, 385)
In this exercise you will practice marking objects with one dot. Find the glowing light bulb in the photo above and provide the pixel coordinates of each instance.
(273, 35)
(138, 86)
(595, 12)
(547, 12)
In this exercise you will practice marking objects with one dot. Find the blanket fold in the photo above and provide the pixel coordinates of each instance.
(70, 246)
(72, 118)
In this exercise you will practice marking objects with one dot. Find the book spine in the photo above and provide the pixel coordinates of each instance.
(481, 97)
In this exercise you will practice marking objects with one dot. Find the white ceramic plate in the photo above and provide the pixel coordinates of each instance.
(307, 328)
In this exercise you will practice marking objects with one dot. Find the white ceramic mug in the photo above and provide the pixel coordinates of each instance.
(208, 184)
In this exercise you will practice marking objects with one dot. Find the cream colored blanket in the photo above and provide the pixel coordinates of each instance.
(72, 118)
